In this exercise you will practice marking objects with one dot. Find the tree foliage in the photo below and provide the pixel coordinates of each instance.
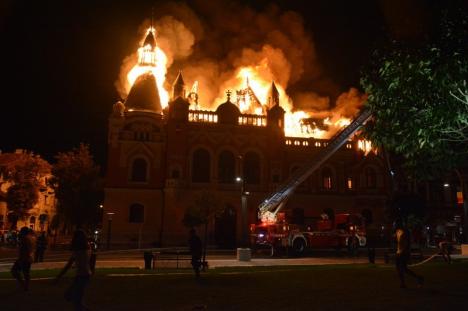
(419, 99)
(25, 174)
(77, 186)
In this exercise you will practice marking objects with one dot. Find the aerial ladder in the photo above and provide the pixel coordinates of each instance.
(268, 209)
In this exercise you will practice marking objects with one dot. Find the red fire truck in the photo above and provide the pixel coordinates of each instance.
(346, 231)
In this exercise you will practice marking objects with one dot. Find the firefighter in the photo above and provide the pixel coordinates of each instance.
(403, 253)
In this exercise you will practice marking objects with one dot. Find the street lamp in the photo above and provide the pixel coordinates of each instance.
(109, 225)
(243, 254)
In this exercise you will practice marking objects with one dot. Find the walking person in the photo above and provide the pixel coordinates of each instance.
(22, 265)
(402, 256)
(41, 246)
(80, 257)
(195, 245)
(445, 249)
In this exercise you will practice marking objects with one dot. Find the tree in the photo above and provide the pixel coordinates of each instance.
(77, 186)
(25, 174)
(418, 97)
(205, 208)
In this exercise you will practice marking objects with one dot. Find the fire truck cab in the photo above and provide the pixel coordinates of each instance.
(344, 231)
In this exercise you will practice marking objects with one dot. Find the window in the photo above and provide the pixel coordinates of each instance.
(175, 174)
(32, 222)
(276, 178)
(349, 183)
(371, 178)
(139, 170)
(251, 170)
(327, 179)
(201, 164)
(136, 213)
(226, 167)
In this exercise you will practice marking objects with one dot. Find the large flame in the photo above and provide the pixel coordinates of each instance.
(251, 86)
(155, 61)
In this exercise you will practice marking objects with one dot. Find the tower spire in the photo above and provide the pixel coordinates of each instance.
(178, 88)
(273, 95)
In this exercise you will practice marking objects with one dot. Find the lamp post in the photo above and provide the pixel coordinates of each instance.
(109, 226)
(243, 253)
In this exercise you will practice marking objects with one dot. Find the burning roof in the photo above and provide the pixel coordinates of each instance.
(246, 59)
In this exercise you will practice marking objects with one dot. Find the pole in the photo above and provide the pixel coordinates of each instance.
(244, 219)
(109, 225)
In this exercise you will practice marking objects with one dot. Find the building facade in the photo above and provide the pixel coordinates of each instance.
(159, 160)
(41, 214)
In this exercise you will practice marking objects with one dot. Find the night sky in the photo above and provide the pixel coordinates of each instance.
(61, 59)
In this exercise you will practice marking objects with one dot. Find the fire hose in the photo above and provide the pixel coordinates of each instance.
(425, 260)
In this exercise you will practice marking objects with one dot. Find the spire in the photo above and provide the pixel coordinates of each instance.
(150, 40)
(178, 88)
(273, 96)
(147, 52)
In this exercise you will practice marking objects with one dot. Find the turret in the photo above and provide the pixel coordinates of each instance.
(275, 115)
(273, 96)
(178, 88)
(147, 52)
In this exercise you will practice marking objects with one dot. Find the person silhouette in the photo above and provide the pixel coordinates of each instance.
(81, 257)
(403, 253)
(26, 241)
(195, 246)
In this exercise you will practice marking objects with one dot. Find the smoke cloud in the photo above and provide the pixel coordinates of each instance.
(209, 41)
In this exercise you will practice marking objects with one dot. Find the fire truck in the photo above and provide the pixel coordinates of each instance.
(345, 230)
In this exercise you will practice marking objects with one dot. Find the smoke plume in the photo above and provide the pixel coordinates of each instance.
(210, 40)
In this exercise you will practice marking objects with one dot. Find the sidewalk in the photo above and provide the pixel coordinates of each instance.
(215, 263)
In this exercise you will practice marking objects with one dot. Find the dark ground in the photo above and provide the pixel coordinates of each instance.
(344, 287)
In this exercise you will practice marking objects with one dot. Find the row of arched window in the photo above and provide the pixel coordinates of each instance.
(329, 180)
(226, 164)
(249, 165)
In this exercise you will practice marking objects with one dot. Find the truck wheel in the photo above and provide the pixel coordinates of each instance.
(353, 246)
(298, 247)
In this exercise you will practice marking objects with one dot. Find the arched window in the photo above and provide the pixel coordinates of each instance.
(371, 178)
(201, 166)
(226, 167)
(139, 170)
(175, 174)
(251, 169)
(327, 178)
(136, 213)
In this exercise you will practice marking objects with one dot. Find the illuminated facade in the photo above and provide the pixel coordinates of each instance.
(159, 159)
(43, 211)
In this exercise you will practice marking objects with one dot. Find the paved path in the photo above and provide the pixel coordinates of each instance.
(215, 263)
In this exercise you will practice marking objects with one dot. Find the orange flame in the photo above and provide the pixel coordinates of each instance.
(252, 89)
(366, 146)
(153, 60)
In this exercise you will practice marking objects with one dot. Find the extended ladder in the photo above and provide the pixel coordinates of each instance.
(268, 209)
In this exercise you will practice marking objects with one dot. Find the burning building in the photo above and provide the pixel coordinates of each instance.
(166, 146)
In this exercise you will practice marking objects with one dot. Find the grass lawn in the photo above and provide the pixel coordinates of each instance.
(340, 287)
